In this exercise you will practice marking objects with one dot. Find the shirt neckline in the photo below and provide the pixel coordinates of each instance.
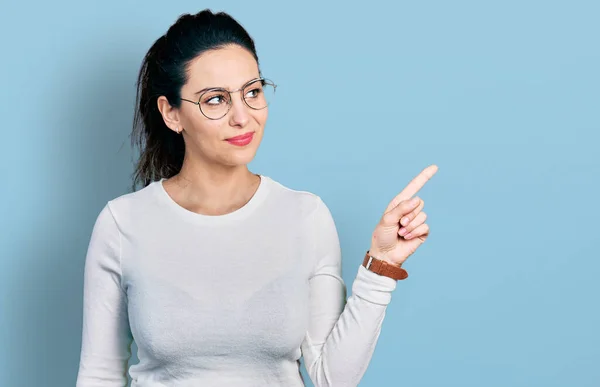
(259, 196)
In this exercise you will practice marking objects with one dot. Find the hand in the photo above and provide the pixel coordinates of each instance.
(402, 229)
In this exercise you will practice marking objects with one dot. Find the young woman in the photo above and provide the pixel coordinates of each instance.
(225, 277)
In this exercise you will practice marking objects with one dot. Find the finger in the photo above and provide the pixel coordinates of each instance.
(420, 231)
(419, 220)
(415, 185)
(419, 181)
(406, 219)
(392, 217)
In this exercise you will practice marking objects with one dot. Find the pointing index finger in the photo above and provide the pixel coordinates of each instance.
(419, 181)
(415, 185)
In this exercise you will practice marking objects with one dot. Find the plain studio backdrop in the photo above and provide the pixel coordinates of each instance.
(502, 96)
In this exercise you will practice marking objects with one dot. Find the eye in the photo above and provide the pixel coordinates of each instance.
(253, 93)
(215, 98)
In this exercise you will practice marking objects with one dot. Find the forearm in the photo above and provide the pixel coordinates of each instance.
(347, 351)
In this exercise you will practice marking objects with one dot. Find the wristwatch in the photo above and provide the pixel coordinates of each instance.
(383, 268)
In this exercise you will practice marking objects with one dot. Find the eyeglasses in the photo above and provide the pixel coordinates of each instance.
(215, 103)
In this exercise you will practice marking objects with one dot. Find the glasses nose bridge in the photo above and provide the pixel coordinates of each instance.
(231, 92)
(244, 105)
(242, 99)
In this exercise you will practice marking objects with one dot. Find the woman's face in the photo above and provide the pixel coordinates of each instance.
(230, 68)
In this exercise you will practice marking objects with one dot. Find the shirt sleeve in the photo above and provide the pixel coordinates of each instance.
(342, 334)
(106, 336)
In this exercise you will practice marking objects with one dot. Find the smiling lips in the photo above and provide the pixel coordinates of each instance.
(242, 140)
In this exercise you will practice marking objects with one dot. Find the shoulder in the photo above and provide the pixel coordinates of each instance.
(133, 204)
(307, 202)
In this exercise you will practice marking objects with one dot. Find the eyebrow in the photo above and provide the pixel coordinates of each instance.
(222, 88)
(206, 89)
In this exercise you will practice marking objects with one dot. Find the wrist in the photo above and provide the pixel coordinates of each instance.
(377, 263)
(377, 254)
(382, 256)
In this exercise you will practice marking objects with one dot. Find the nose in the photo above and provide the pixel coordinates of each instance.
(240, 114)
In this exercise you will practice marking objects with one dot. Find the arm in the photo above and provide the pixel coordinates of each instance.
(341, 336)
(106, 337)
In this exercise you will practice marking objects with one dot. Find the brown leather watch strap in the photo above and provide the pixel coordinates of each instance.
(383, 268)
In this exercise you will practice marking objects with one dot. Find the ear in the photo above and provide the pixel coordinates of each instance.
(170, 114)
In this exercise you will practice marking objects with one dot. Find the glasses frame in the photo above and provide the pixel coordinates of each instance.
(212, 89)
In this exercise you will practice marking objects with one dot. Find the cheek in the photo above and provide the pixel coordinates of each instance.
(190, 116)
(205, 135)
(204, 128)
(261, 116)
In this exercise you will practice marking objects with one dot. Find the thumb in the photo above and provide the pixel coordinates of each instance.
(392, 217)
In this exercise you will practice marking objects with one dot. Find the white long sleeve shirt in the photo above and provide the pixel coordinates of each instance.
(228, 300)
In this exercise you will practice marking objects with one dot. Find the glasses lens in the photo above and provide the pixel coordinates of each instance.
(259, 94)
(215, 103)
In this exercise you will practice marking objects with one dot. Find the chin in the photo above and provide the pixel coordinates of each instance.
(240, 156)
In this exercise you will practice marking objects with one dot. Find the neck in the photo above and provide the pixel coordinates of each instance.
(212, 190)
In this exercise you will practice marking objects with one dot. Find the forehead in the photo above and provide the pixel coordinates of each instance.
(229, 67)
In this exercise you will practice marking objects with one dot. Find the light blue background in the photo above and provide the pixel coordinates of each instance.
(504, 97)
